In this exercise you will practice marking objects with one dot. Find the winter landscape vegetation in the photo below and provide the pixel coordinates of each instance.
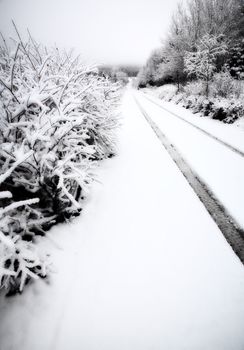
(121, 184)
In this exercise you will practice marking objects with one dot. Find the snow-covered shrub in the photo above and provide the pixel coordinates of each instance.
(57, 119)
(195, 87)
(223, 84)
(166, 92)
(19, 259)
(227, 110)
(197, 104)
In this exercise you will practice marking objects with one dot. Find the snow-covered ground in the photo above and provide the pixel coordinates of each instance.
(144, 266)
(191, 95)
(218, 166)
(230, 133)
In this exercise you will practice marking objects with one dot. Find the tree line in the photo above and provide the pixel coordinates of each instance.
(205, 37)
(119, 73)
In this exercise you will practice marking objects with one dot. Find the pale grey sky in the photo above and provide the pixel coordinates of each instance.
(105, 31)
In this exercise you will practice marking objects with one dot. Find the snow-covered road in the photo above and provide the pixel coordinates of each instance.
(144, 267)
(189, 166)
(220, 167)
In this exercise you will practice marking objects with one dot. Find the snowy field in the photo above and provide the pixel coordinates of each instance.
(151, 271)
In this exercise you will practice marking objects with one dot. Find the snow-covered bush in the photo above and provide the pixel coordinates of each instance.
(227, 110)
(195, 87)
(57, 119)
(19, 259)
(223, 84)
(167, 91)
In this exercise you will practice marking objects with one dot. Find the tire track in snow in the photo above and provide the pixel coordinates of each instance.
(232, 232)
(226, 144)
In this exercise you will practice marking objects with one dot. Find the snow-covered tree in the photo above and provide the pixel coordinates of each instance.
(235, 60)
(150, 74)
(190, 23)
(202, 62)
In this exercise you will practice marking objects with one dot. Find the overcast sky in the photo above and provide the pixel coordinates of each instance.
(105, 31)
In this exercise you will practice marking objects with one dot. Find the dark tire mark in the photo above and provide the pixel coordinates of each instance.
(232, 232)
(232, 148)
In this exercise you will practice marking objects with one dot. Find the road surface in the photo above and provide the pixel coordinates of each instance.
(219, 212)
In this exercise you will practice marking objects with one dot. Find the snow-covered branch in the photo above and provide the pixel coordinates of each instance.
(18, 204)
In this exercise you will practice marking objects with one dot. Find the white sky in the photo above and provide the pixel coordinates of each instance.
(105, 31)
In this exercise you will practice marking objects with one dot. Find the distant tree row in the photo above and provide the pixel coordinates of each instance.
(205, 36)
(120, 73)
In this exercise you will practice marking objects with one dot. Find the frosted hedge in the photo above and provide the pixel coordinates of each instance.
(57, 120)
